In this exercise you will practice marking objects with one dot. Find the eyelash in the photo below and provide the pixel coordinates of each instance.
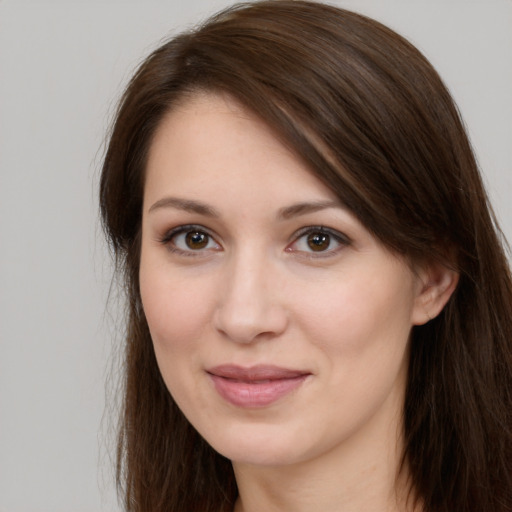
(167, 240)
(341, 239)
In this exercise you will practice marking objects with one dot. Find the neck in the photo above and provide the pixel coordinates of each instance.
(357, 476)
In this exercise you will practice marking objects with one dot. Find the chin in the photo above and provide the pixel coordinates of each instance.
(259, 445)
(258, 456)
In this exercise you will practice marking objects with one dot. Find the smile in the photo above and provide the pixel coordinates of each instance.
(254, 387)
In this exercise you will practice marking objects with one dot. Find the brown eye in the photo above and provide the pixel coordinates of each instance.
(318, 241)
(190, 241)
(196, 240)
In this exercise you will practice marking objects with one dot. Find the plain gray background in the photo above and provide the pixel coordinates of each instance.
(62, 67)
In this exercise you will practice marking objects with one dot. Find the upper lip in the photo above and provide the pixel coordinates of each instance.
(255, 373)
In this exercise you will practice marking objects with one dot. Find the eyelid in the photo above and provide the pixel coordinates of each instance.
(341, 238)
(166, 239)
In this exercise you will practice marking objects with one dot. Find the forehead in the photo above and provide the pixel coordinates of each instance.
(211, 144)
(211, 123)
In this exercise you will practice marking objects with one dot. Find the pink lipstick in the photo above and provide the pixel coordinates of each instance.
(257, 386)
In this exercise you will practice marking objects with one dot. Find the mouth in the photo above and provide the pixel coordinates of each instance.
(257, 386)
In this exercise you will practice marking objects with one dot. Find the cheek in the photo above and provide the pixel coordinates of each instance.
(360, 329)
(359, 312)
(176, 317)
(176, 309)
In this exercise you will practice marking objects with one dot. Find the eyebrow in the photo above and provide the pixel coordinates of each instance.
(187, 205)
(298, 209)
(288, 212)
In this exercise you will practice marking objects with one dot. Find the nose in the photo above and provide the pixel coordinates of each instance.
(249, 306)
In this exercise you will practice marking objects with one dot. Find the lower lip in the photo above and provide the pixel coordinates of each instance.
(255, 394)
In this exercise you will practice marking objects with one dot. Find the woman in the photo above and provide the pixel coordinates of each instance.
(319, 300)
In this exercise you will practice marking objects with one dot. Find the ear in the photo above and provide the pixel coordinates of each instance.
(436, 283)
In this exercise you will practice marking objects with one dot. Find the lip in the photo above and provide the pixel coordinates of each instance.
(255, 386)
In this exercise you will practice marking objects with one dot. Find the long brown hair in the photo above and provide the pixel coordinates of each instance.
(368, 113)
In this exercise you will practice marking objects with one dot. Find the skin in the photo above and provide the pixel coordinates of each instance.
(255, 292)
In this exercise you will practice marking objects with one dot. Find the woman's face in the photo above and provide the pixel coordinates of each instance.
(280, 324)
